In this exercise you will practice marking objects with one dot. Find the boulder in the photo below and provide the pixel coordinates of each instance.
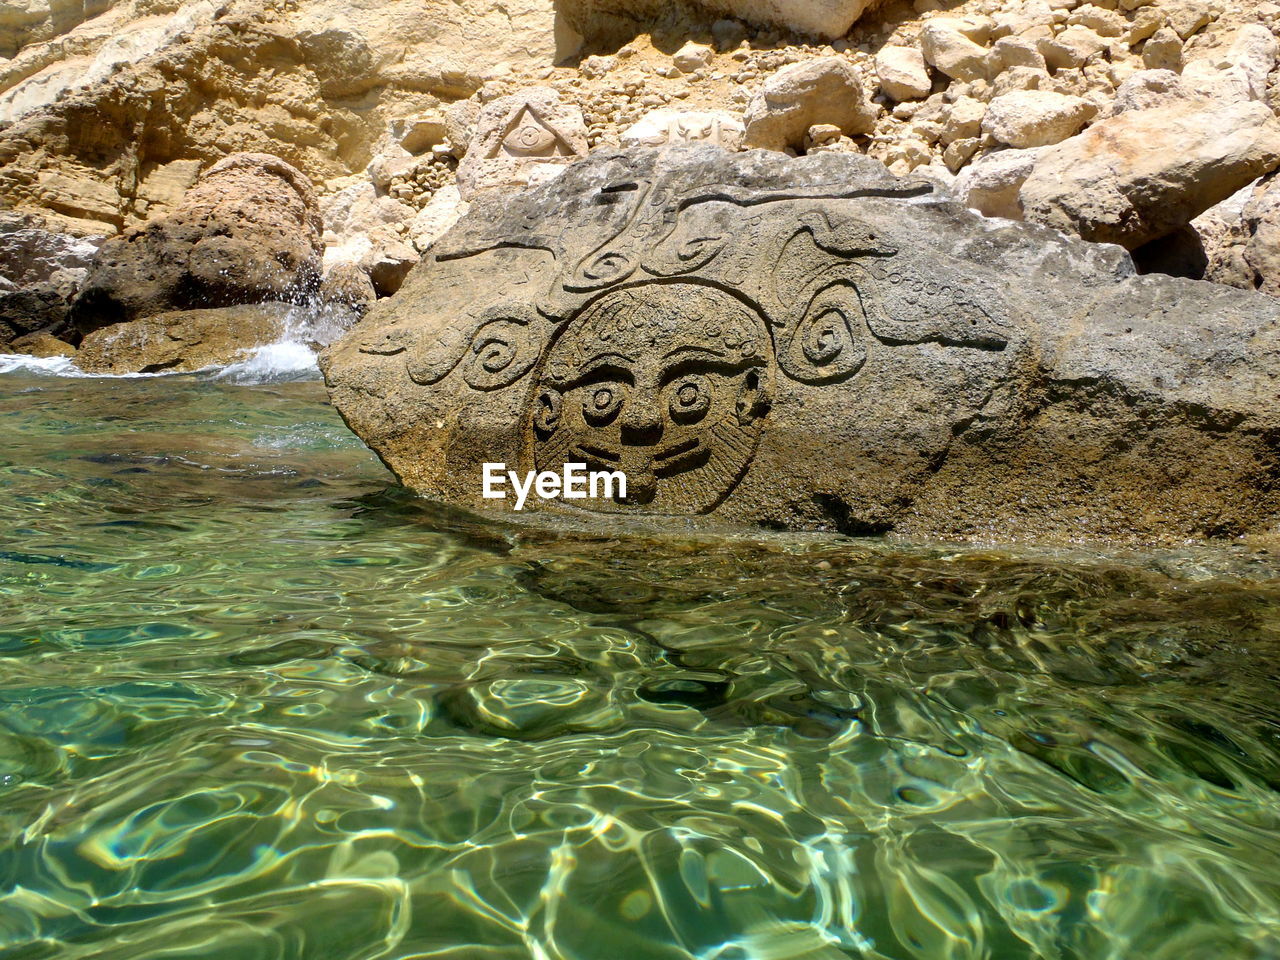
(36, 309)
(692, 56)
(618, 19)
(1149, 88)
(800, 95)
(437, 217)
(1238, 73)
(813, 343)
(991, 183)
(346, 285)
(1036, 118)
(30, 255)
(903, 73)
(521, 139)
(1135, 177)
(183, 340)
(944, 44)
(665, 126)
(248, 232)
(1262, 227)
(1071, 48)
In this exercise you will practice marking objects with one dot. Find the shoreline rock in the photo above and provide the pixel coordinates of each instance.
(877, 360)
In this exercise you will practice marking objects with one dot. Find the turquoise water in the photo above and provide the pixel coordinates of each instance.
(256, 702)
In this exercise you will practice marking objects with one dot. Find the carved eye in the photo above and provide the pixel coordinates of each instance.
(546, 416)
(690, 399)
(601, 403)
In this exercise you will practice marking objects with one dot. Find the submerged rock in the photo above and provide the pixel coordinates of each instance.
(817, 344)
(183, 340)
(248, 232)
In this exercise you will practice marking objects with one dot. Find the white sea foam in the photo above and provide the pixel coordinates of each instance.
(292, 357)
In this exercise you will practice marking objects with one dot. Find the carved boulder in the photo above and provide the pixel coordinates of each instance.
(816, 344)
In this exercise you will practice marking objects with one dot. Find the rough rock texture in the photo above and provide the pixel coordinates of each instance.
(38, 309)
(991, 184)
(799, 96)
(814, 343)
(183, 340)
(30, 254)
(1036, 118)
(903, 73)
(248, 232)
(1137, 176)
(822, 18)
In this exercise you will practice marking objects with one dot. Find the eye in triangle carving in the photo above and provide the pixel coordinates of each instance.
(528, 135)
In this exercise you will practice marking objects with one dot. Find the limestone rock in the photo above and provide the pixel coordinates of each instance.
(903, 73)
(345, 284)
(524, 138)
(944, 45)
(665, 126)
(787, 104)
(991, 184)
(41, 344)
(1262, 226)
(692, 56)
(1149, 88)
(1036, 118)
(1163, 51)
(1223, 238)
(442, 211)
(1071, 48)
(1135, 177)
(31, 255)
(35, 309)
(1240, 73)
(617, 19)
(183, 340)
(814, 344)
(248, 232)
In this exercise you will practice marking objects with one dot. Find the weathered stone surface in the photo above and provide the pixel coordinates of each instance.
(1135, 177)
(903, 73)
(1036, 118)
(660, 128)
(828, 19)
(30, 254)
(1262, 227)
(991, 184)
(346, 285)
(816, 344)
(35, 309)
(442, 211)
(945, 45)
(183, 340)
(248, 232)
(41, 344)
(1149, 88)
(524, 138)
(798, 96)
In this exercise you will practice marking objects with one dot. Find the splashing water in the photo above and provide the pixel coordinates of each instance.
(256, 702)
(292, 357)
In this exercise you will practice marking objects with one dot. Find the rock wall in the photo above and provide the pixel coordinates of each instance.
(1123, 121)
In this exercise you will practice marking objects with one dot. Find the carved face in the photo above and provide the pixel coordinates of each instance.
(667, 383)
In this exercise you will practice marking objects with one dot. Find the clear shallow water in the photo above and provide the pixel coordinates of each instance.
(255, 702)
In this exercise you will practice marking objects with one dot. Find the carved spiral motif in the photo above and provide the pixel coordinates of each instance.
(827, 343)
(501, 352)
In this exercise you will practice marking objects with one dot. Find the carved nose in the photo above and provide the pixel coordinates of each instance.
(641, 423)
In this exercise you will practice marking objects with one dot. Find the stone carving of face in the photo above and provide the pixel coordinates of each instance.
(667, 383)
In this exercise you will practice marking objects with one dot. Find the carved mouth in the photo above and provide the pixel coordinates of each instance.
(596, 456)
